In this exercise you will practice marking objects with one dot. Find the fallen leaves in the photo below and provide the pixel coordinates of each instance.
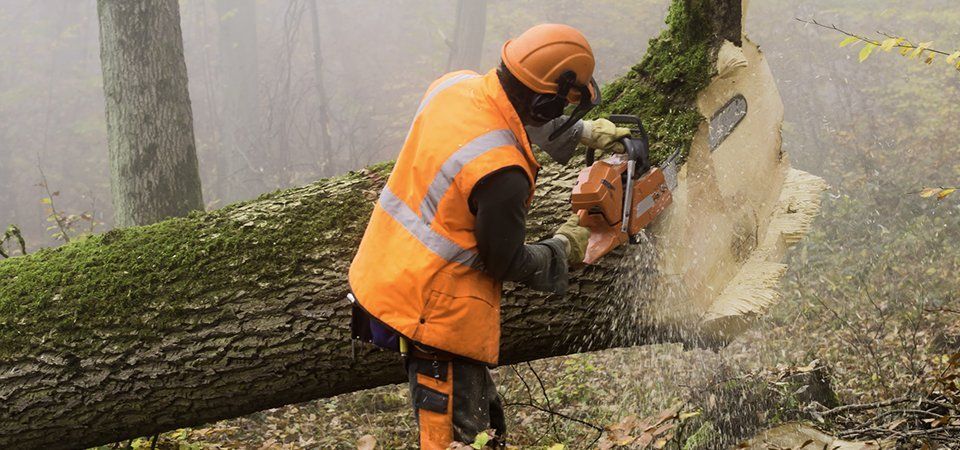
(366, 442)
(941, 192)
(653, 432)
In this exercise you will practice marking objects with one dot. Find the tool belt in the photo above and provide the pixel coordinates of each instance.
(364, 327)
(421, 352)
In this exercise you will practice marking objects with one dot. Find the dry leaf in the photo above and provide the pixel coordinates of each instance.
(366, 442)
(893, 425)
(929, 192)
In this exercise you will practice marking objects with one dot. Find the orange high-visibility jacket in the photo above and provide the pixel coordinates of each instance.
(417, 269)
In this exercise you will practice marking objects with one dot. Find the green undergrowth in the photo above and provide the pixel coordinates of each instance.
(662, 89)
(134, 282)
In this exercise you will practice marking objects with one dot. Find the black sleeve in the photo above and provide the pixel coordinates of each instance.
(499, 203)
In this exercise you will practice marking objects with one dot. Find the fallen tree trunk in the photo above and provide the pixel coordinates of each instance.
(217, 315)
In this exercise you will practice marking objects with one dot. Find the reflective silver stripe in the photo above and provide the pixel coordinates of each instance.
(437, 243)
(420, 227)
(454, 164)
(441, 87)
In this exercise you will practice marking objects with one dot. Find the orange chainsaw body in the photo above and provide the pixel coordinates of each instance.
(604, 190)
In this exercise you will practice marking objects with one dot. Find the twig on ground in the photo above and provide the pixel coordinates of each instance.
(864, 407)
(549, 408)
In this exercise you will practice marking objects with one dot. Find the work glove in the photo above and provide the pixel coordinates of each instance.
(576, 238)
(602, 134)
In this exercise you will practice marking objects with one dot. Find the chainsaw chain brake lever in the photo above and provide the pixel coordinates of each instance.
(637, 148)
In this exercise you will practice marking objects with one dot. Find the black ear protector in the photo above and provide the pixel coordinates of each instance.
(546, 107)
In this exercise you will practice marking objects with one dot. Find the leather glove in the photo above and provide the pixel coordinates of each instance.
(602, 134)
(576, 238)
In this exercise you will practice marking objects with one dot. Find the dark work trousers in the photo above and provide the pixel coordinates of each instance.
(453, 400)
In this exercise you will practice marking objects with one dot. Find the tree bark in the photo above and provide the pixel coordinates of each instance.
(239, 102)
(467, 45)
(233, 312)
(153, 157)
(216, 315)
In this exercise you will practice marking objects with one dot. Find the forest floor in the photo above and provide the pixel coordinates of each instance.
(867, 344)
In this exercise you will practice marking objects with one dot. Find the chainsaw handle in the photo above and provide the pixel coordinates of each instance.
(640, 153)
(637, 149)
(632, 120)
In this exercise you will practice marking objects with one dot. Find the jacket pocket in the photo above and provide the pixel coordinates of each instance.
(467, 287)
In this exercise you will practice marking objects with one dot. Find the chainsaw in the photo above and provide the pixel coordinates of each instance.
(617, 197)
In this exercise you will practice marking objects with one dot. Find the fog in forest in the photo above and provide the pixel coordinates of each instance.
(286, 92)
(258, 102)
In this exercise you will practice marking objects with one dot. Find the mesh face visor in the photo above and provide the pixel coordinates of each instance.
(587, 103)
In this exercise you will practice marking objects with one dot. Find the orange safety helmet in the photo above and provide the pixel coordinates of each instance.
(555, 62)
(542, 54)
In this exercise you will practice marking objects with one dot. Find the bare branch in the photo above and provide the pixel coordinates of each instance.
(905, 44)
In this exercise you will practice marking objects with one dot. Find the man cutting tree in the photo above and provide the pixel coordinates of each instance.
(449, 226)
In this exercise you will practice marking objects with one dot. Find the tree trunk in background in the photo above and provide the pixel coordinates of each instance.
(238, 163)
(467, 46)
(322, 120)
(153, 155)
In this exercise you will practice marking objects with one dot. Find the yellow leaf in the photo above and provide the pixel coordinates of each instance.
(889, 44)
(46, 201)
(687, 415)
(953, 58)
(920, 49)
(557, 447)
(866, 51)
(849, 41)
(904, 51)
(930, 58)
(945, 193)
(929, 192)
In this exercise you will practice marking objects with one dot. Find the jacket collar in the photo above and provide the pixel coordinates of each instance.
(496, 95)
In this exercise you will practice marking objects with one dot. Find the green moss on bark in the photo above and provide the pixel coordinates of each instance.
(71, 291)
(662, 89)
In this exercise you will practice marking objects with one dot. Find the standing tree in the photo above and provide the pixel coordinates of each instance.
(467, 45)
(322, 121)
(153, 157)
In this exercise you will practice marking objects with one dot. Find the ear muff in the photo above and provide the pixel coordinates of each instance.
(546, 107)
